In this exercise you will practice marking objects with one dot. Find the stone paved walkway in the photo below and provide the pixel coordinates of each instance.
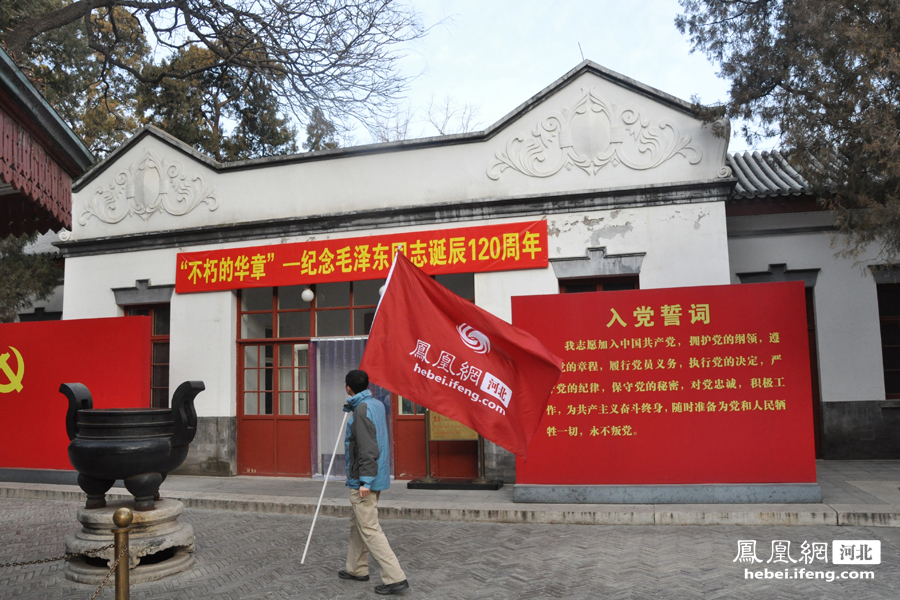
(256, 555)
(854, 493)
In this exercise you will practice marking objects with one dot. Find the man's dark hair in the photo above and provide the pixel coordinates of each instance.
(357, 380)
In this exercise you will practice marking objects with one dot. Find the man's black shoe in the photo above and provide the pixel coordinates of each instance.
(391, 588)
(345, 575)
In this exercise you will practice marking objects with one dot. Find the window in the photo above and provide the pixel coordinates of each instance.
(889, 313)
(461, 284)
(159, 351)
(599, 284)
(407, 407)
(261, 375)
(275, 327)
(345, 308)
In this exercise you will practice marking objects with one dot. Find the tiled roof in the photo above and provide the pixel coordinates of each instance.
(762, 174)
(23, 93)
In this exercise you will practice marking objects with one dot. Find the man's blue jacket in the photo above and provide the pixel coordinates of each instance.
(366, 447)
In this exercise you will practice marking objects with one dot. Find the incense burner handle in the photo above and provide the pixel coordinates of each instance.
(183, 412)
(79, 399)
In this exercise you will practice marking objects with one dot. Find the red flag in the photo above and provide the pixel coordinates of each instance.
(429, 345)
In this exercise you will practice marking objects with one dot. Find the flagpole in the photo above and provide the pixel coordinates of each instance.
(324, 483)
(386, 283)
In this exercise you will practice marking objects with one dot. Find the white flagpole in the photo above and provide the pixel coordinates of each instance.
(386, 283)
(324, 483)
(341, 433)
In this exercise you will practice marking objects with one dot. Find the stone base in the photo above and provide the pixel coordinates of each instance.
(783, 493)
(80, 572)
(159, 545)
(499, 463)
(213, 453)
(454, 484)
(862, 429)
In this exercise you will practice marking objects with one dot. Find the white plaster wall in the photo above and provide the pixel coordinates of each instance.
(494, 290)
(203, 328)
(203, 325)
(685, 244)
(202, 346)
(846, 304)
(444, 173)
(90, 280)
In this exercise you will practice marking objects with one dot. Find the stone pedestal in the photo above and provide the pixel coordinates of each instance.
(737, 493)
(159, 546)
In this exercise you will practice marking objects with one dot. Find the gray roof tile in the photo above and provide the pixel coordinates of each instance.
(762, 174)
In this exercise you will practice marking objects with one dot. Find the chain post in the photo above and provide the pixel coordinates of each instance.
(122, 519)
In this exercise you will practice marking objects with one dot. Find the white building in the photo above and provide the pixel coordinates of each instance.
(635, 190)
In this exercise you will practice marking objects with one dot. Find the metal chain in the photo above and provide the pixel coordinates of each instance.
(66, 556)
(115, 564)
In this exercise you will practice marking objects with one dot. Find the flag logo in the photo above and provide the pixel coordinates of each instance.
(474, 339)
(502, 394)
(496, 388)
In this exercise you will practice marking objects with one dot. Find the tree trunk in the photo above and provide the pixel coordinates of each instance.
(18, 38)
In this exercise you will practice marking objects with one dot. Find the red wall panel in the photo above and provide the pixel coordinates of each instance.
(674, 386)
(110, 356)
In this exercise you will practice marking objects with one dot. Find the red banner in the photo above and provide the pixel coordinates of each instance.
(466, 250)
(110, 356)
(442, 352)
(684, 385)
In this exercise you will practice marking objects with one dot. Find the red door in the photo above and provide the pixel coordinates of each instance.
(273, 409)
(409, 439)
(448, 459)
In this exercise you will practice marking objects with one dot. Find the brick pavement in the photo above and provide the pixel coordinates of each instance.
(257, 555)
(855, 493)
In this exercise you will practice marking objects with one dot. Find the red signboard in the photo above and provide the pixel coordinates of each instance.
(442, 251)
(110, 356)
(674, 386)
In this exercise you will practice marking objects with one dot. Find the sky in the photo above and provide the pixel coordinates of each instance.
(496, 54)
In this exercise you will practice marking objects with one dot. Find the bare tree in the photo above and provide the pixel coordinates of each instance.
(392, 127)
(339, 55)
(449, 117)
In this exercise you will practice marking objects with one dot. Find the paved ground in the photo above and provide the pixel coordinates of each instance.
(257, 555)
(854, 493)
(840, 481)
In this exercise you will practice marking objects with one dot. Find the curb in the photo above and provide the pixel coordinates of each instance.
(549, 514)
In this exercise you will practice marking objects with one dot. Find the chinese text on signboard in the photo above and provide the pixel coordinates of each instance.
(687, 385)
(440, 428)
(442, 251)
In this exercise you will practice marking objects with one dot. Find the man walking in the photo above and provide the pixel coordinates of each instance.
(368, 473)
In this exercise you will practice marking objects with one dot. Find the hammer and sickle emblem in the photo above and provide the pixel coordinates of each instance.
(15, 379)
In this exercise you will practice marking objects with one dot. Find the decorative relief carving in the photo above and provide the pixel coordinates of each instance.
(590, 135)
(151, 186)
(722, 129)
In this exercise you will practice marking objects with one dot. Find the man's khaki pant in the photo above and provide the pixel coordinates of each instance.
(366, 536)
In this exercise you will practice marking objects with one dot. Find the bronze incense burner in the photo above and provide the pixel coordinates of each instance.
(137, 445)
